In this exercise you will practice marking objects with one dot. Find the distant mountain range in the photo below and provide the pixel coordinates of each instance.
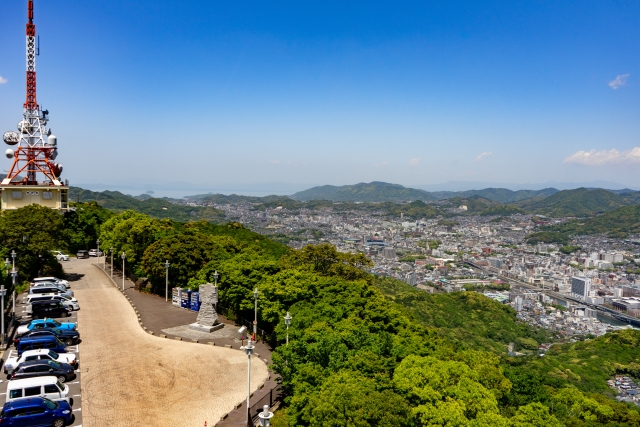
(157, 208)
(384, 192)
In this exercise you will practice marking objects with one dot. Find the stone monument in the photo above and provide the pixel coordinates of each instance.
(207, 320)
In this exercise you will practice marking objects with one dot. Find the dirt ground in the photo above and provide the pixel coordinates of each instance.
(131, 378)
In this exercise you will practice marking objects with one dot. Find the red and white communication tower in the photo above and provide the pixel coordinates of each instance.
(36, 148)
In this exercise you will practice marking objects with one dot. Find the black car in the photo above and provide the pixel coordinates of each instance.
(44, 368)
(82, 254)
(68, 337)
(50, 308)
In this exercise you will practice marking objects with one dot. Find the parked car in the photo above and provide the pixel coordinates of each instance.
(44, 323)
(95, 252)
(42, 354)
(39, 411)
(47, 386)
(68, 337)
(50, 308)
(51, 280)
(68, 302)
(61, 256)
(41, 368)
(47, 288)
(35, 343)
(82, 254)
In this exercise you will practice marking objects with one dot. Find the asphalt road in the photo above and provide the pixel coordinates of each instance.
(131, 378)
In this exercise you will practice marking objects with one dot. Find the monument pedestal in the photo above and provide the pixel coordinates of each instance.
(204, 328)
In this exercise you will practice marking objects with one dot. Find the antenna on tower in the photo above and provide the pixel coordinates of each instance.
(38, 46)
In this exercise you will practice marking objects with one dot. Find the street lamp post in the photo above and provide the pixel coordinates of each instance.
(255, 318)
(248, 349)
(123, 256)
(111, 249)
(265, 416)
(166, 281)
(215, 291)
(14, 274)
(98, 253)
(287, 321)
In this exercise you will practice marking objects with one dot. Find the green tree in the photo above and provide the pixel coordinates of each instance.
(324, 259)
(33, 232)
(534, 415)
(347, 399)
(132, 233)
(81, 226)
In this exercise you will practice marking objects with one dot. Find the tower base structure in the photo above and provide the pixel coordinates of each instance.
(51, 196)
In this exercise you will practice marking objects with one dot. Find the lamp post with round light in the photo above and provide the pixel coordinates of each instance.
(255, 318)
(111, 249)
(123, 256)
(287, 321)
(215, 291)
(265, 416)
(248, 349)
(166, 281)
(98, 250)
(14, 274)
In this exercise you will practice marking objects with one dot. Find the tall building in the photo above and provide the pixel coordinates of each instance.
(580, 287)
(411, 279)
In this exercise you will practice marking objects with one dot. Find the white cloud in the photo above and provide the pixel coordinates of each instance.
(619, 81)
(483, 155)
(414, 162)
(604, 157)
(2, 80)
(381, 164)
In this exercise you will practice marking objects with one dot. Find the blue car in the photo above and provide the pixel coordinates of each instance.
(36, 412)
(35, 325)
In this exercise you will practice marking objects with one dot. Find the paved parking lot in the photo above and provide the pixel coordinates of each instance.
(75, 385)
(131, 378)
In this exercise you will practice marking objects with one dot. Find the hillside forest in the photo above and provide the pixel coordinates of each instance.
(364, 350)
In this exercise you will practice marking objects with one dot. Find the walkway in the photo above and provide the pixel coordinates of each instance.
(132, 378)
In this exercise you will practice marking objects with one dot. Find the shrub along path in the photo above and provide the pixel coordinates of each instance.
(131, 378)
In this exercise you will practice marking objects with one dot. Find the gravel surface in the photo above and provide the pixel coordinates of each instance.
(131, 378)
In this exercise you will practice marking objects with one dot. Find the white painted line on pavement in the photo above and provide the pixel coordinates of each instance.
(79, 409)
(75, 382)
(76, 395)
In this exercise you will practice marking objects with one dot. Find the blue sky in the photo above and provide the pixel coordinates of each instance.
(157, 94)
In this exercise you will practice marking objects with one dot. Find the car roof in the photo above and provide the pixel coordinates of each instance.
(37, 362)
(30, 382)
(37, 338)
(24, 403)
(36, 352)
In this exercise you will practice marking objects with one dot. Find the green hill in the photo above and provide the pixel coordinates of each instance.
(618, 223)
(501, 195)
(363, 192)
(581, 202)
(157, 208)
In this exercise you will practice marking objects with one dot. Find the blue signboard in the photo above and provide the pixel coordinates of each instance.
(186, 299)
(195, 301)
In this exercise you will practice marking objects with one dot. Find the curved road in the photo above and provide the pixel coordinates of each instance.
(131, 378)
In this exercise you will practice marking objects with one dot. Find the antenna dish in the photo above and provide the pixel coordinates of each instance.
(53, 141)
(9, 153)
(11, 138)
(23, 126)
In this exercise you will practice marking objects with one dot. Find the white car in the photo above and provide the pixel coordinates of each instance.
(61, 256)
(46, 280)
(13, 362)
(95, 252)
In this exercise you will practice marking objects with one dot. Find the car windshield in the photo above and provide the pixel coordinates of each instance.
(49, 404)
(53, 355)
(60, 344)
(53, 364)
(55, 322)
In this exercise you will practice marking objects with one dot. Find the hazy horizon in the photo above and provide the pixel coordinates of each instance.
(225, 95)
